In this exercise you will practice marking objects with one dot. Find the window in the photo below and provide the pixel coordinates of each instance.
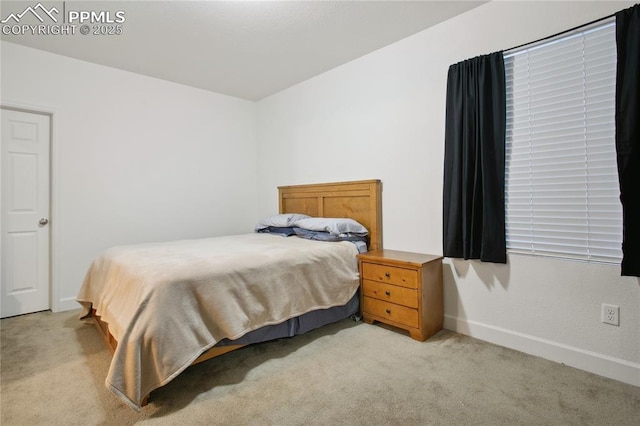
(562, 193)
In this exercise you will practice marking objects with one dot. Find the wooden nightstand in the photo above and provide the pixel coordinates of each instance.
(402, 289)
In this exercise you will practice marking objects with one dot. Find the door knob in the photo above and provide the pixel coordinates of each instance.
(43, 222)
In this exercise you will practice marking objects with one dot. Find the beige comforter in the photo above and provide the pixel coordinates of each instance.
(167, 303)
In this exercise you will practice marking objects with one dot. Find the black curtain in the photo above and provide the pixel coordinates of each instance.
(628, 134)
(474, 208)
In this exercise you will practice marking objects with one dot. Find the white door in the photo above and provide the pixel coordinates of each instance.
(25, 213)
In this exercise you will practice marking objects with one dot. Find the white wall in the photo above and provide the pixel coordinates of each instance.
(134, 159)
(382, 116)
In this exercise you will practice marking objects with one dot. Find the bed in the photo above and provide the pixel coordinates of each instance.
(162, 307)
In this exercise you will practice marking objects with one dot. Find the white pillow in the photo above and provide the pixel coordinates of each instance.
(280, 220)
(335, 226)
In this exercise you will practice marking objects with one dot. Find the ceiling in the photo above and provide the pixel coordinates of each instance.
(246, 49)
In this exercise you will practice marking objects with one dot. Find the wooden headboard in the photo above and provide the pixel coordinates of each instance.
(358, 200)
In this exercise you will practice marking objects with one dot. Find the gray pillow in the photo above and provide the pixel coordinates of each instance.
(334, 226)
(285, 231)
(285, 220)
(326, 236)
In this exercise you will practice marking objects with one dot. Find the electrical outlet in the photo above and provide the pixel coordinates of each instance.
(610, 314)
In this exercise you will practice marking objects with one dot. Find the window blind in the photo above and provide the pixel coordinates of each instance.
(561, 183)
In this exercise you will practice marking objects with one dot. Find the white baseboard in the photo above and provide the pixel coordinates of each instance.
(603, 365)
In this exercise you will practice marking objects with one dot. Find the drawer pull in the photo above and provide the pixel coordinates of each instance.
(388, 293)
(388, 311)
(386, 274)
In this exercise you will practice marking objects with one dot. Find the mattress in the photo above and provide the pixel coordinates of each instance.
(168, 303)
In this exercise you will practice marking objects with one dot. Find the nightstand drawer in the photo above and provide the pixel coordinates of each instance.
(390, 311)
(390, 274)
(390, 293)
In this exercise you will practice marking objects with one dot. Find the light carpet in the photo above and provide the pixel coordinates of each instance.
(53, 368)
